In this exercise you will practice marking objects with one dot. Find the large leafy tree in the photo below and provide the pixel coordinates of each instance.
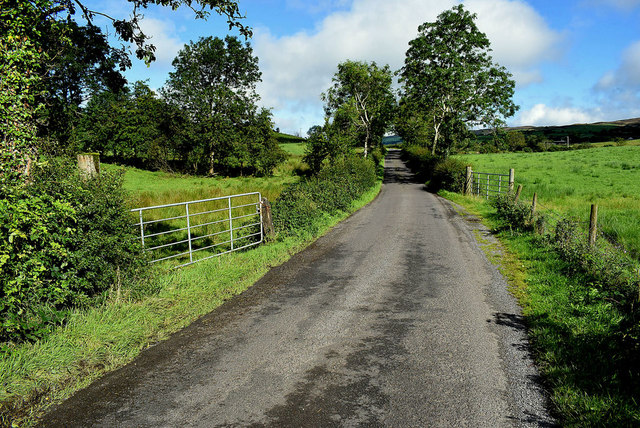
(133, 125)
(361, 101)
(214, 84)
(449, 75)
(62, 61)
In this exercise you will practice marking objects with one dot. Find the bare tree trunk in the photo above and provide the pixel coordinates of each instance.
(211, 159)
(436, 136)
(366, 144)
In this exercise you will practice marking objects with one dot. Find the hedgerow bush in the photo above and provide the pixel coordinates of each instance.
(420, 160)
(64, 242)
(300, 207)
(608, 268)
(609, 272)
(516, 215)
(441, 173)
(448, 174)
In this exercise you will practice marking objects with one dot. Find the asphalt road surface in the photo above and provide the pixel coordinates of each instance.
(394, 318)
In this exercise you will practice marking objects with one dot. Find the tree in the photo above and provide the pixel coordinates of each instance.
(361, 101)
(449, 75)
(214, 84)
(325, 142)
(128, 29)
(515, 140)
(133, 125)
(413, 125)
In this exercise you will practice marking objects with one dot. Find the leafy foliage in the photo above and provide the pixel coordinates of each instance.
(440, 173)
(516, 214)
(214, 86)
(18, 93)
(301, 205)
(448, 174)
(361, 101)
(133, 126)
(449, 76)
(325, 144)
(64, 240)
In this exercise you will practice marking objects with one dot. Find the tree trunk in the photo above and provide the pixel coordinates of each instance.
(366, 144)
(211, 159)
(436, 136)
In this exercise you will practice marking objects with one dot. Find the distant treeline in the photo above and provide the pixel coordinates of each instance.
(544, 138)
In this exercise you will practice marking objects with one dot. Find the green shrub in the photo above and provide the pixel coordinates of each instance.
(64, 241)
(420, 160)
(300, 206)
(448, 174)
(603, 265)
(295, 209)
(515, 215)
(441, 173)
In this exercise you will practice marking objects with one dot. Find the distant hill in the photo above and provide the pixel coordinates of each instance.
(584, 132)
(287, 138)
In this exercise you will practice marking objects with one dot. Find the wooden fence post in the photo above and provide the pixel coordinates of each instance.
(518, 191)
(534, 204)
(89, 164)
(267, 220)
(593, 225)
(468, 183)
(512, 176)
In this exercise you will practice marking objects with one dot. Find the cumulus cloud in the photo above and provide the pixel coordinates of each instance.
(627, 75)
(164, 37)
(298, 68)
(619, 89)
(544, 115)
(520, 38)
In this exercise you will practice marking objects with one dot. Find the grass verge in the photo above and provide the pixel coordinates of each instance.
(575, 334)
(99, 340)
(568, 182)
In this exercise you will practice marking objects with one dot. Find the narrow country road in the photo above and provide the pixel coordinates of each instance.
(394, 318)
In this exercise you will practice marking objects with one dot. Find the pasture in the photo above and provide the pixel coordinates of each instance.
(568, 182)
(148, 188)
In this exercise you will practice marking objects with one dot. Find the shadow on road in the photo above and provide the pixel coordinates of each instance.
(395, 170)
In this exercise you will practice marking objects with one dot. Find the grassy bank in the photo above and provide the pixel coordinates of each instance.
(98, 340)
(568, 182)
(588, 363)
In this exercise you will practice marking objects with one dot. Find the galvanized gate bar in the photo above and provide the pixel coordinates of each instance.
(493, 184)
(235, 222)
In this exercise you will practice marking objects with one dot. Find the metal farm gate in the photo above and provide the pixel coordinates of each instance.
(199, 230)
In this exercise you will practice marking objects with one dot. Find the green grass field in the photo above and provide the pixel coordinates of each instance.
(148, 188)
(568, 182)
(294, 149)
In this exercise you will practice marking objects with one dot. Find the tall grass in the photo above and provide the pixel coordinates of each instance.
(568, 182)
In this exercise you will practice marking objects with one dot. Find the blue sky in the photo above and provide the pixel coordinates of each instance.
(574, 61)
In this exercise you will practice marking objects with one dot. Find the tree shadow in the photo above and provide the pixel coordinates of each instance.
(396, 171)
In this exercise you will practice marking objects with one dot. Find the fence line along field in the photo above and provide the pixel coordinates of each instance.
(569, 181)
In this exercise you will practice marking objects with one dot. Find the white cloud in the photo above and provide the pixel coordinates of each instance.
(520, 38)
(543, 115)
(627, 75)
(619, 89)
(163, 35)
(298, 68)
